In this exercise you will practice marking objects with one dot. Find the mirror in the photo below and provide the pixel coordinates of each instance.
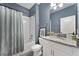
(67, 25)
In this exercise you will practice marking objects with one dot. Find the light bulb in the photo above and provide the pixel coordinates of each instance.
(60, 5)
(53, 4)
(55, 7)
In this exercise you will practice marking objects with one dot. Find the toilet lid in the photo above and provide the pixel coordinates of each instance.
(37, 46)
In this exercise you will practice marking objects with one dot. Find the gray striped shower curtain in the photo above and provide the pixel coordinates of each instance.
(11, 31)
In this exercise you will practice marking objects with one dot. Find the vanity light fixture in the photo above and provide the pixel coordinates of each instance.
(55, 5)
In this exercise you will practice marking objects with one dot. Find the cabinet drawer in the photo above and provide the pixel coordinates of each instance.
(59, 53)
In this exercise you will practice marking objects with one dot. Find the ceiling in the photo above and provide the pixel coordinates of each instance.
(26, 5)
(29, 5)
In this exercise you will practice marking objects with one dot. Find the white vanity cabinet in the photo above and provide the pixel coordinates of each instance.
(51, 48)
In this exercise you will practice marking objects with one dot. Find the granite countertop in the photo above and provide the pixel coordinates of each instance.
(61, 40)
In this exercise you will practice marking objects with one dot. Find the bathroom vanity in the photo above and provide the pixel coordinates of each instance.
(54, 46)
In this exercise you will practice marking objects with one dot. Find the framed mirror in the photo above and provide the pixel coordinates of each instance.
(68, 24)
(42, 31)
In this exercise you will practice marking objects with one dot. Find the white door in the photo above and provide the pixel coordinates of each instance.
(32, 28)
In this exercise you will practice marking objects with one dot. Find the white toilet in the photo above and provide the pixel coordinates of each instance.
(37, 50)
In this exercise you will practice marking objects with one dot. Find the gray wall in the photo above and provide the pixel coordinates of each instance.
(37, 24)
(55, 17)
(35, 11)
(44, 15)
(16, 7)
(32, 11)
(78, 19)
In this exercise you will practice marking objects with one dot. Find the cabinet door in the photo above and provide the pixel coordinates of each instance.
(52, 52)
(75, 51)
(59, 53)
(64, 48)
(46, 50)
